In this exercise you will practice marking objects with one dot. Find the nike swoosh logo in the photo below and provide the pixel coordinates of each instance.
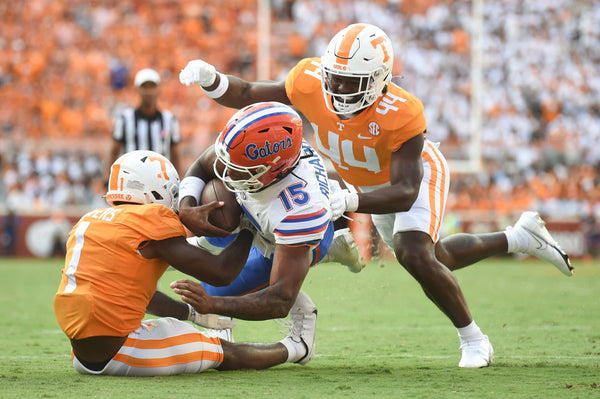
(542, 244)
(316, 312)
(360, 136)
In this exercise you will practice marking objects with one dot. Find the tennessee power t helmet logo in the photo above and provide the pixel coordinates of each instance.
(254, 152)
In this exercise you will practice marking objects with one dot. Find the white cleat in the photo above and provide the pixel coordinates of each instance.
(541, 244)
(302, 326)
(343, 249)
(476, 354)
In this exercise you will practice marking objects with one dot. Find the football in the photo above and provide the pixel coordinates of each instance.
(228, 216)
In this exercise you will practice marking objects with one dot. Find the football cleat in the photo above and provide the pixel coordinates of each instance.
(541, 244)
(302, 327)
(344, 250)
(476, 354)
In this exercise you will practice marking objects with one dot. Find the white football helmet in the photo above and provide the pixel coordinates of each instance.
(361, 52)
(143, 177)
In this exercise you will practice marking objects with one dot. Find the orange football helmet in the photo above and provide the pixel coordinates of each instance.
(260, 144)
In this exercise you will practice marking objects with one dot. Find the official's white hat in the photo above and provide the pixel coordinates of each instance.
(146, 75)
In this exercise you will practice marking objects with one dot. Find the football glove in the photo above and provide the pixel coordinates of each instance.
(198, 72)
(341, 200)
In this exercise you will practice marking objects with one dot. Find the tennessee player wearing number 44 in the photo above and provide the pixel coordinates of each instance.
(374, 133)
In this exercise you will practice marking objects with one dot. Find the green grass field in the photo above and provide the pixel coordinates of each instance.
(377, 337)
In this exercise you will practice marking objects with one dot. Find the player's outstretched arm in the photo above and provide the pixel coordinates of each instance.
(229, 90)
(216, 270)
(290, 266)
(162, 305)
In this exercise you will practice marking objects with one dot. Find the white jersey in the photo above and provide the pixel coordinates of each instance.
(294, 210)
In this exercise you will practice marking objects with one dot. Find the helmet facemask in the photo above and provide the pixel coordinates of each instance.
(369, 88)
(250, 184)
(362, 52)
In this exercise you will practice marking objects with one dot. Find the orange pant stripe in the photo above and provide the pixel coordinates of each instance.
(169, 361)
(168, 342)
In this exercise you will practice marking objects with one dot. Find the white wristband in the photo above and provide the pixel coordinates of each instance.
(191, 186)
(221, 88)
(351, 202)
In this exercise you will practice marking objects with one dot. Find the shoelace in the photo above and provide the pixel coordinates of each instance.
(294, 325)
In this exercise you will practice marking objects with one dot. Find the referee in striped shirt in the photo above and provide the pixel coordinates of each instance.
(146, 127)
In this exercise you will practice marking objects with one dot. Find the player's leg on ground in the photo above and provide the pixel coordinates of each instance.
(239, 356)
(164, 346)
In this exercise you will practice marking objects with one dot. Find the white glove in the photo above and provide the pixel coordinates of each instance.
(341, 201)
(210, 320)
(334, 185)
(198, 72)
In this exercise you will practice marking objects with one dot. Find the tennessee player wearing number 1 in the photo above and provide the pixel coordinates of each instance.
(374, 133)
(115, 257)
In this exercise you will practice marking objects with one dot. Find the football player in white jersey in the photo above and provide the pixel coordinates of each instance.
(281, 184)
(374, 134)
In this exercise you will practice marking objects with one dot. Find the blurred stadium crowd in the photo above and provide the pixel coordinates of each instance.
(66, 69)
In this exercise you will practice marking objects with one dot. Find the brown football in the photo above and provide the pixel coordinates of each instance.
(226, 217)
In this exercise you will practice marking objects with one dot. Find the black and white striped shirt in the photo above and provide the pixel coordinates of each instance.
(137, 131)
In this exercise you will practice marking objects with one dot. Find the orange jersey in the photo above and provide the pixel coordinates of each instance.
(360, 148)
(106, 284)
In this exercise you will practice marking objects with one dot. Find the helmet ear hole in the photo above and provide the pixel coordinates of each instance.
(157, 196)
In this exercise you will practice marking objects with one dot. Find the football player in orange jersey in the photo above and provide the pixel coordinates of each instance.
(115, 257)
(374, 134)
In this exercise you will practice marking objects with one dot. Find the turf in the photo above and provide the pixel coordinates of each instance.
(377, 337)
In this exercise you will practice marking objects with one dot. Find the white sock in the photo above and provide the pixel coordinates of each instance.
(518, 241)
(296, 350)
(472, 332)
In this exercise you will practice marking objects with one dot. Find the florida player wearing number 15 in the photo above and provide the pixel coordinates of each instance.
(115, 257)
(281, 184)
